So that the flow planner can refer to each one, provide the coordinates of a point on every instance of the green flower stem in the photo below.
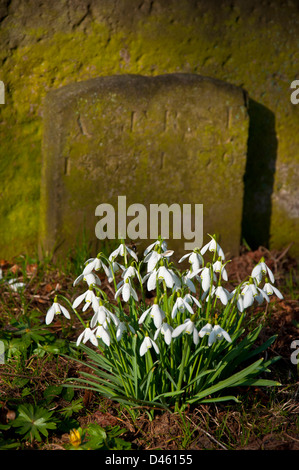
(122, 361)
(186, 352)
(114, 282)
(74, 310)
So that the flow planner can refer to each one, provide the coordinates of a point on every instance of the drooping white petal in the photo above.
(150, 247)
(187, 255)
(205, 248)
(65, 312)
(187, 281)
(166, 330)
(114, 253)
(277, 292)
(212, 337)
(206, 279)
(151, 282)
(78, 300)
(255, 273)
(78, 279)
(126, 291)
(132, 253)
(164, 273)
(89, 267)
(50, 315)
(158, 315)
(180, 329)
(221, 294)
(118, 292)
(145, 345)
(134, 293)
(248, 298)
(195, 336)
(144, 315)
(155, 346)
(190, 298)
(152, 259)
(103, 334)
(79, 339)
(120, 329)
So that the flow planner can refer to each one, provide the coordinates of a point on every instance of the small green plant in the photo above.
(32, 421)
(189, 345)
(94, 437)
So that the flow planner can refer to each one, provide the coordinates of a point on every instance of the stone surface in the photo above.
(172, 139)
(249, 43)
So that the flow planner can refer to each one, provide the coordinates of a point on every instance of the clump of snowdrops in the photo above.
(184, 343)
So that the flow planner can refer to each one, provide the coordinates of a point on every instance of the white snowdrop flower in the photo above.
(91, 279)
(154, 257)
(187, 282)
(88, 297)
(115, 267)
(219, 268)
(262, 269)
(127, 291)
(156, 313)
(205, 275)
(15, 285)
(131, 272)
(161, 243)
(215, 333)
(181, 304)
(166, 331)
(161, 274)
(191, 299)
(56, 309)
(151, 279)
(251, 292)
(205, 330)
(167, 275)
(95, 264)
(213, 246)
(86, 335)
(222, 294)
(121, 251)
(206, 278)
(151, 260)
(176, 280)
(187, 327)
(102, 333)
(194, 258)
(238, 299)
(248, 294)
(269, 290)
(102, 315)
(146, 344)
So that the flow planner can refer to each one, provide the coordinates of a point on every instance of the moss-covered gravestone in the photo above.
(176, 139)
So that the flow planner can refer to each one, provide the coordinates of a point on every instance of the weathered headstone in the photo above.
(172, 139)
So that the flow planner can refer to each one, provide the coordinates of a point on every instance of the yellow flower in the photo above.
(75, 437)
